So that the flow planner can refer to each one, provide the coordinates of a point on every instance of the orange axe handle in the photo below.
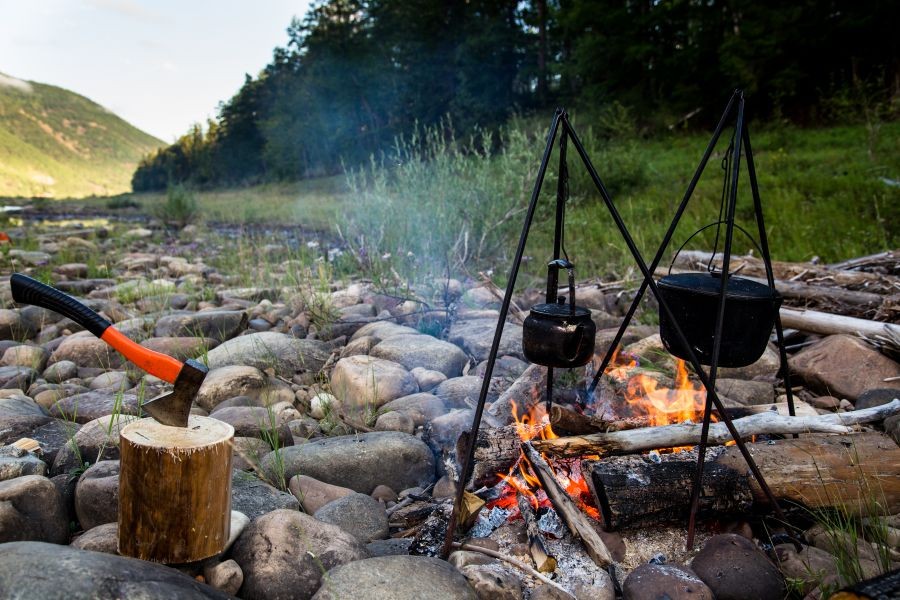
(26, 290)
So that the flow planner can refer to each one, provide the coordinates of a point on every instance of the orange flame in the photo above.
(665, 406)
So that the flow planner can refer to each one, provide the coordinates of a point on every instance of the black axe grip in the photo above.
(26, 290)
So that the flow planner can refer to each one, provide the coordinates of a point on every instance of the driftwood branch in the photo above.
(688, 434)
(580, 526)
(827, 324)
(514, 562)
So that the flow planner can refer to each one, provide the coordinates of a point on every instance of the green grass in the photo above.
(56, 143)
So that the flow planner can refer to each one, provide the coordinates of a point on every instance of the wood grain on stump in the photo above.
(175, 490)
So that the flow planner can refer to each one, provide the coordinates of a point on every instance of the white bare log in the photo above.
(688, 434)
(827, 324)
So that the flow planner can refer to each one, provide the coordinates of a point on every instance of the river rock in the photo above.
(254, 497)
(111, 381)
(181, 348)
(395, 421)
(225, 576)
(228, 382)
(748, 393)
(845, 367)
(254, 421)
(11, 326)
(366, 383)
(389, 547)
(285, 553)
(735, 569)
(652, 582)
(504, 366)
(88, 406)
(423, 351)
(421, 407)
(382, 330)
(17, 378)
(395, 578)
(31, 509)
(97, 494)
(875, 397)
(60, 371)
(96, 440)
(475, 336)
(463, 392)
(360, 462)
(86, 350)
(765, 367)
(67, 573)
(427, 379)
(33, 357)
(102, 538)
(493, 583)
(219, 325)
(358, 514)
(271, 350)
(15, 462)
(19, 406)
(806, 568)
(314, 494)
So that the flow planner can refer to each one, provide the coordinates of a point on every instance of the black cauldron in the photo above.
(750, 311)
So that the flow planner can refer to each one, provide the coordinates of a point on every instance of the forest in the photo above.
(356, 76)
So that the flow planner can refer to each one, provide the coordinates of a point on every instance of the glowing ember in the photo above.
(521, 478)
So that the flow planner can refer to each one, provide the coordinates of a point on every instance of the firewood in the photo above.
(544, 562)
(175, 490)
(579, 524)
(566, 421)
(516, 563)
(496, 450)
(817, 274)
(826, 324)
(844, 472)
(668, 436)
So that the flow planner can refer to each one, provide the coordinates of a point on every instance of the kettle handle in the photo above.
(575, 347)
(562, 263)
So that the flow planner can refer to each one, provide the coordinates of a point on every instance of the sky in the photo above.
(161, 65)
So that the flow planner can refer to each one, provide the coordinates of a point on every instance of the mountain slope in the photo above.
(56, 143)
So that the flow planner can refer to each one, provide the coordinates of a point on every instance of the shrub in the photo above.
(180, 207)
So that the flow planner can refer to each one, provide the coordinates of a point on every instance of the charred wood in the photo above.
(543, 562)
(579, 524)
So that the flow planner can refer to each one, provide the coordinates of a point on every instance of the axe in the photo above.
(172, 408)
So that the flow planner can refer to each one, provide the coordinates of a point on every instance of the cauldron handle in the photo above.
(713, 224)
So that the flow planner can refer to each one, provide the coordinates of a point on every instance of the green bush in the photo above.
(180, 207)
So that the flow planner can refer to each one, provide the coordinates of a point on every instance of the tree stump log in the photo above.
(175, 490)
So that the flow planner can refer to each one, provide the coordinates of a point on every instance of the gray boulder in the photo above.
(181, 348)
(359, 462)
(31, 509)
(254, 497)
(382, 330)
(358, 514)
(284, 555)
(86, 350)
(366, 383)
(664, 581)
(60, 371)
(15, 462)
(396, 578)
(17, 377)
(844, 366)
(67, 573)
(475, 336)
(97, 494)
(33, 357)
(19, 406)
(268, 349)
(421, 407)
(423, 351)
(219, 325)
(228, 382)
(88, 406)
(735, 569)
(102, 538)
(96, 440)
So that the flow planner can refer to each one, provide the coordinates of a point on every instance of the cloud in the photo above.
(127, 8)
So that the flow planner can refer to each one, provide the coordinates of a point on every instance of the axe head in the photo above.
(174, 408)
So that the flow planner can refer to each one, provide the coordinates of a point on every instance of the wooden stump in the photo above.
(175, 490)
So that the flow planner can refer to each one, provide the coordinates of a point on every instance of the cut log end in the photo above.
(175, 490)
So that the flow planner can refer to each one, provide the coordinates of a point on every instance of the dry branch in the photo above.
(827, 324)
(688, 434)
(580, 526)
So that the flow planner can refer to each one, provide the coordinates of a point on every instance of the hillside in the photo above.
(55, 143)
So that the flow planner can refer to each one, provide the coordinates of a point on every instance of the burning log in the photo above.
(496, 450)
(544, 562)
(566, 421)
(575, 520)
(688, 434)
(816, 472)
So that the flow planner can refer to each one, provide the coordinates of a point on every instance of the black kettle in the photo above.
(559, 333)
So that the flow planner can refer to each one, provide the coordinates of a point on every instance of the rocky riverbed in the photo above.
(346, 402)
